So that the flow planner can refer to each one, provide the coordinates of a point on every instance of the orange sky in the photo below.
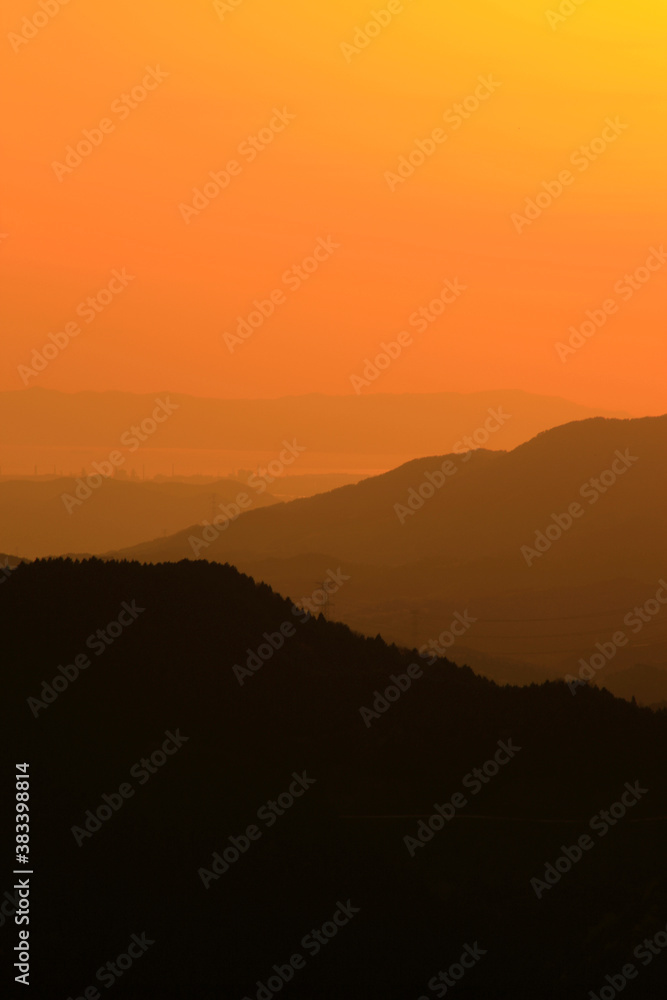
(330, 173)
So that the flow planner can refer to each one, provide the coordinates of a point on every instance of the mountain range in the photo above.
(550, 547)
(47, 428)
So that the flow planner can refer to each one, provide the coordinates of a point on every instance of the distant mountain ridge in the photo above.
(493, 501)
(376, 424)
(496, 536)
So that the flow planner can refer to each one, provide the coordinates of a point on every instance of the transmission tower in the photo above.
(328, 604)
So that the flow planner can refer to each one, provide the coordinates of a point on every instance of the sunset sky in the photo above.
(223, 72)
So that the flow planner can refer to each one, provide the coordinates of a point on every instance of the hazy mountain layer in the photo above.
(553, 548)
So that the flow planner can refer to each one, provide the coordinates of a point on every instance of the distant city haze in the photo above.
(45, 432)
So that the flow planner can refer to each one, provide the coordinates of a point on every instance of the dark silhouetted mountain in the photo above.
(168, 668)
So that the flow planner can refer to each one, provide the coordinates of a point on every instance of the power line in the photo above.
(504, 819)
(560, 618)
(548, 652)
(546, 635)
(327, 605)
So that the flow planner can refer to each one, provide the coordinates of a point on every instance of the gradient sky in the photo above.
(325, 175)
